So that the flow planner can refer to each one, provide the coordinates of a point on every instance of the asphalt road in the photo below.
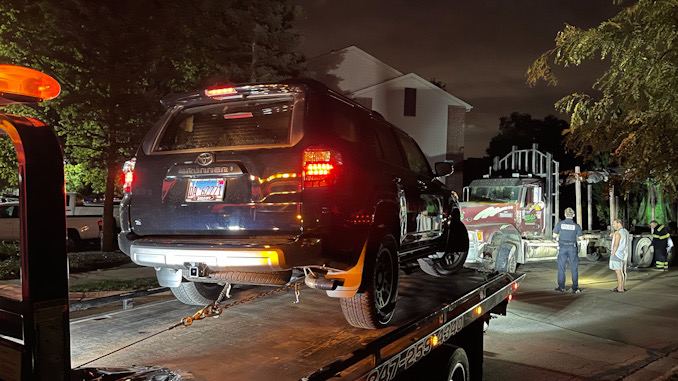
(598, 334)
(547, 335)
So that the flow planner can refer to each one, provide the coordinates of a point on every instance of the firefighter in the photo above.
(567, 232)
(660, 239)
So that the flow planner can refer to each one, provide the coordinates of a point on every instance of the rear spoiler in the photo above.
(244, 90)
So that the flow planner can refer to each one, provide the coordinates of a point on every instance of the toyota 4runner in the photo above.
(243, 184)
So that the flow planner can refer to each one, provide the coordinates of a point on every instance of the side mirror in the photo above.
(443, 168)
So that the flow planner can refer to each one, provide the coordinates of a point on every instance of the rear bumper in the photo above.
(275, 254)
(217, 259)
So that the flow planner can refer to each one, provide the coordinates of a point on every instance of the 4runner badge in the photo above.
(204, 159)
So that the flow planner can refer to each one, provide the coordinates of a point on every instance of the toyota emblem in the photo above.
(204, 159)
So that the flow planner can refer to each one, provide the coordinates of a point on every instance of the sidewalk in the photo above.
(12, 288)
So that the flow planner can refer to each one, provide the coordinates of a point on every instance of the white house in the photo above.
(431, 115)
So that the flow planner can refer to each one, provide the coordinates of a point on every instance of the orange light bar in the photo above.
(220, 91)
(435, 340)
(478, 310)
(27, 82)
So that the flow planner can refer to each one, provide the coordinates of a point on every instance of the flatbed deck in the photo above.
(274, 338)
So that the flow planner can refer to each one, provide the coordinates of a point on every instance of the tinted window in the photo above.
(388, 143)
(259, 122)
(415, 158)
(369, 140)
(344, 125)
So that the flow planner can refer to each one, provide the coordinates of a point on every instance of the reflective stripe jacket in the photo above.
(660, 237)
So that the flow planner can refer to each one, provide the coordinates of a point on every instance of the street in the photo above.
(597, 334)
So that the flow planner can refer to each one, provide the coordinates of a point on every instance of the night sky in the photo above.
(479, 49)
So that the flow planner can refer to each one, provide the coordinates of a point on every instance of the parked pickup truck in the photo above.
(80, 226)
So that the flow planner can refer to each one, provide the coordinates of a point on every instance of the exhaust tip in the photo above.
(320, 283)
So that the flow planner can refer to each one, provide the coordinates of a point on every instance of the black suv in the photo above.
(243, 184)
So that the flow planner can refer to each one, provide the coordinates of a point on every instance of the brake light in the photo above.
(128, 175)
(321, 166)
(220, 91)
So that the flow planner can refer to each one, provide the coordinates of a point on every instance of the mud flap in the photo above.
(351, 278)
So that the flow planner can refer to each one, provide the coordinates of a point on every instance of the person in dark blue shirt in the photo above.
(568, 233)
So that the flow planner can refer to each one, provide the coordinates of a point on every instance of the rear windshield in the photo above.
(259, 122)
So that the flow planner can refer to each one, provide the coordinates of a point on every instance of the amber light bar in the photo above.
(220, 91)
(27, 82)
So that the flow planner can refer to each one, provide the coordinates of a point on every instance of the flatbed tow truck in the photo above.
(437, 335)
(437, 332)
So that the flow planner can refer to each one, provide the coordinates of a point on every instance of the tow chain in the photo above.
(213, 310)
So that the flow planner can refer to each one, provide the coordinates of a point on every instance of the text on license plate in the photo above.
(205, 190)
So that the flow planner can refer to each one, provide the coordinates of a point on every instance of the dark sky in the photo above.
(479, 49)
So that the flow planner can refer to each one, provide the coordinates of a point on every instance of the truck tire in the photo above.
(268, 278)
(374, 304)
(73, 240)
(458, 366)
(643, 253)
(197, 293)
(671, 255)
(456, 248)
(506, 258)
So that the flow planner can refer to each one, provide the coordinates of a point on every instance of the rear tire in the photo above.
(374, 306)
(268, 278)
(457, 246)
(593, 256)
(458, 366)
(73, 240)
(197, 293)
(643, 252)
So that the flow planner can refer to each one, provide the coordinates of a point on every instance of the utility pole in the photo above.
(578, 194)
(589, 196)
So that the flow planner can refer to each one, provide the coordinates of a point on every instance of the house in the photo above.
(431, 115)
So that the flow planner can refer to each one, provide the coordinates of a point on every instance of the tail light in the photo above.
(321, 166)
(128, 175)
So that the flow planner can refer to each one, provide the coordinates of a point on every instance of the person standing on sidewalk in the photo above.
(618, 258)
(660, 238)
(568, 232)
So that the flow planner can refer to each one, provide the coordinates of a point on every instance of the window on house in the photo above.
(410, 102)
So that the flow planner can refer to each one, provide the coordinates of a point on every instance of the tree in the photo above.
(116, 59)
(633, 111)
(522, 130)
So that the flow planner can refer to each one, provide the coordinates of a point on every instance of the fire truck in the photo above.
(511, 211)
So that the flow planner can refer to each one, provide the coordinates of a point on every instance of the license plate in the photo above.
(205, 190)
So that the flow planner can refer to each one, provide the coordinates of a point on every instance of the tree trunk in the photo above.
(109, 228)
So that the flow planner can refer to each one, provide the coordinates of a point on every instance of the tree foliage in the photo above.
(116, 59)
(633, 111)
(522, 130)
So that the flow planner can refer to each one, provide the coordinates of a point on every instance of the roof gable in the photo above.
(399, 81)
(350, 69)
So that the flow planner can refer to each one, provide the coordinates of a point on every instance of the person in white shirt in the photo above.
(618, 257)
